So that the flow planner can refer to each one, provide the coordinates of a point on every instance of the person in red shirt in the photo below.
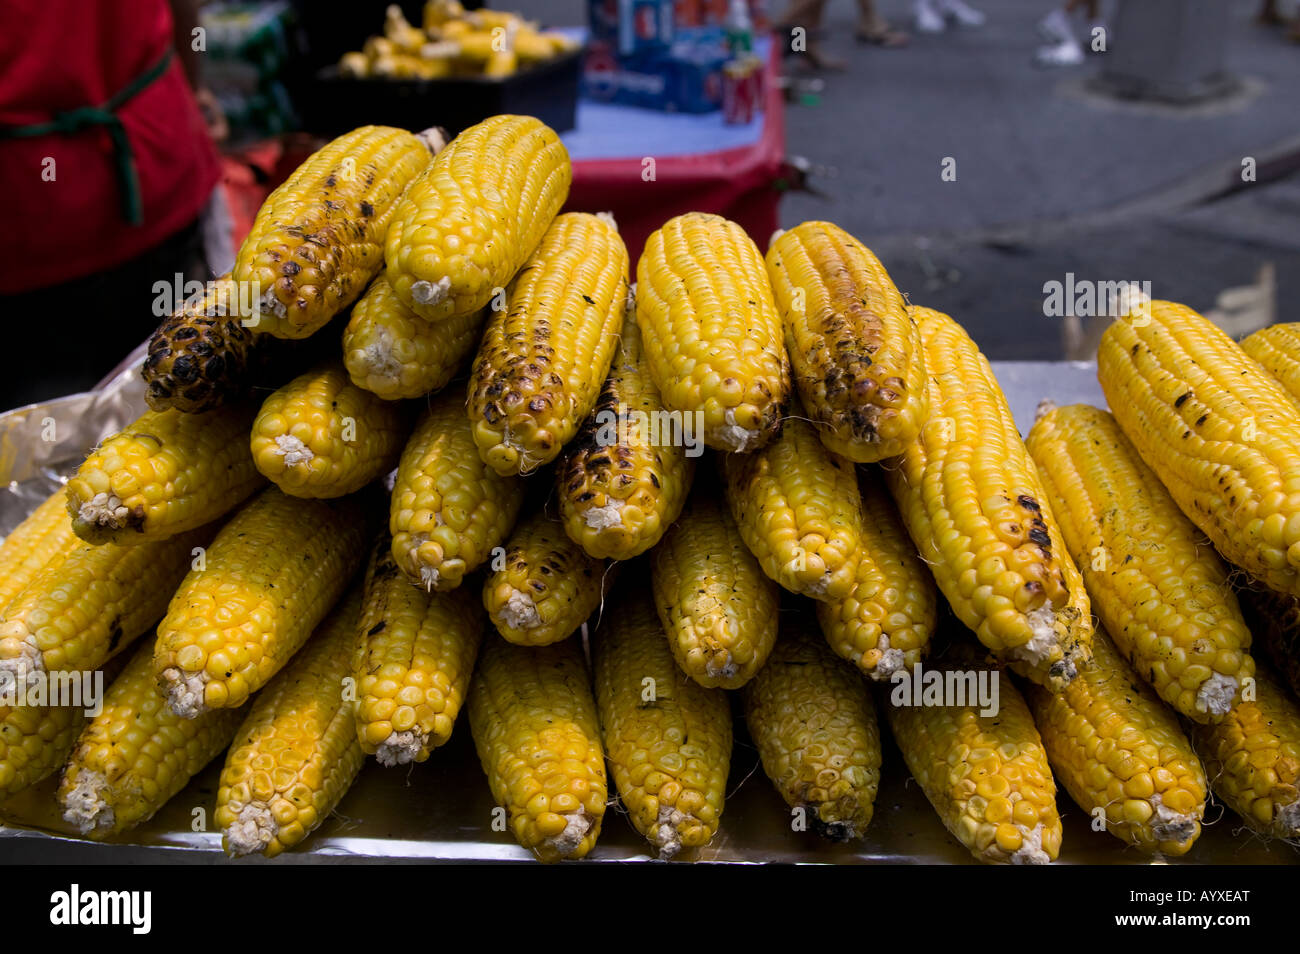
(107, 162)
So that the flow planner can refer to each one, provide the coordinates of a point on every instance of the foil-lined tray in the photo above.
(442, 810)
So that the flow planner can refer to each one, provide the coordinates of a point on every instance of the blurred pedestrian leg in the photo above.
(932, 14)
(1064, 47)
(805, 16)
(874, 29)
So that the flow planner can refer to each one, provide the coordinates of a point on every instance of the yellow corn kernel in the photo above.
(1277, 348)
(43, 539)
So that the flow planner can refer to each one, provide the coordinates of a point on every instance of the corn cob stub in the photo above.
(1221, 434)
(322, 436)
(472, 219)
(268, 578)
(296, 754)
(974, 506)
(542, 360)
(713, 339)
(319, 237)
(856, 353)
(165, 473)
(1116, 749)
(1155, 582)
(1277, 348)
(415, 651)
(535, 727)
(43, 539)
(814, 724)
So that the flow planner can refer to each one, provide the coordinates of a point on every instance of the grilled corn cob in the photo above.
(1253, 759)
(975, 508)
(1277, 348)
(1156, 585)
(1220, 433)
(270, 576)
(814, 724)
(986, 775)
(448, 509)
(322, 436)
(34, 743)
(545, 587)
(717, 607)
(1118, 750)
(798, 509)
(391, 352)
(319, 237)
(44, 538)
(415, 651)
(536, 731)
(469, 223)
(855, 352)
(623, 480)
(542, 360)
(1274, 619)
(296, 754)
(165, 473)
(667, 738)
(885, 623)
(712, 335)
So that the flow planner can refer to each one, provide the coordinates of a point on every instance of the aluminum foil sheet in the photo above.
(442, 810)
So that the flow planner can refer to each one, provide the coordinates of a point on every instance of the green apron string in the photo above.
(74, 121)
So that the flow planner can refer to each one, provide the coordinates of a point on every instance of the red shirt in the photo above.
(57, 55)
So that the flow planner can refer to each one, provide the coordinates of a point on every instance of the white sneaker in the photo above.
(1066, 53)
(1055, 27)
(928, 19)
(963, 13)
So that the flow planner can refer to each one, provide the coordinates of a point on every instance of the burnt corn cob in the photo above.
(716, 605)
(269, 577)
(318, 239)
(814, 724)
(472, 219)
(1221, 434)
(296, 753)
(322, 436)
(1277, 348)
(885, 623)
(624, 479)
(43, 539)
(1117, 750)
(543, 358)
(1156, 584)
(165, 473)
(535, 727)
(974, 506)
(855, 352)
(798, 509)
(448, 509)
(393, 353)
(414, 654)
(1274, 620)
(668, 739)
(713, 339)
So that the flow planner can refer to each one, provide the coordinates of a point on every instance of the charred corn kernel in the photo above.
(542, 360)
(1155, 583)
(885, 623)
(78, 612)
(269, 577)
(535, 727)
(668, 739)
(623, 480)
(296, 754)
(712, 335)
(975, 508)
(319, 237)
(1277, 348)
(394, 354)
(414, 654)
(165, 473)
(448, 508)
(985, 774)
(1253, 758)
(798, 509)
(717, 607)
(814, 724)
(855, 352)
(322, 436)
(34, 743)
(1118, 750)
(44, 538)
(1219, 432)
(469, 223)
(545, 588)
(136, 754)
(1274, 619)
